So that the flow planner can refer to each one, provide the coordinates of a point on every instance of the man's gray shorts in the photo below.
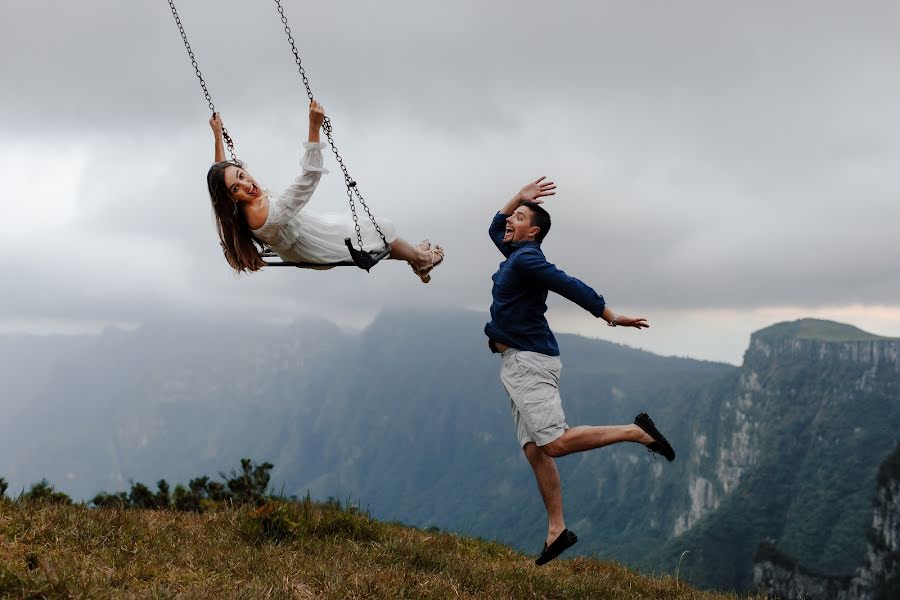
(531, 380)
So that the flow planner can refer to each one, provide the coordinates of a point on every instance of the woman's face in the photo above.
(241, 185)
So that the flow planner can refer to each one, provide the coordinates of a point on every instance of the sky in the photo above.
(721, 166)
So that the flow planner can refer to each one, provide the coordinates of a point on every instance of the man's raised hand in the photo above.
(537, 189)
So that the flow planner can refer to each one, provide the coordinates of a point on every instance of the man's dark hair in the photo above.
(539, 218)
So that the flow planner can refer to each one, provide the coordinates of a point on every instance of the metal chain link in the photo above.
(212, 107)
(352, 189)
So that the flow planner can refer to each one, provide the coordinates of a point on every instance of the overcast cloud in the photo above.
(721, 165)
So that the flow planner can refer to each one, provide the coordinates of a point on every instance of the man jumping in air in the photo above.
(530, 364)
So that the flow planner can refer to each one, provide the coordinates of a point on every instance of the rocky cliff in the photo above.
(783, 577)
(790, 454)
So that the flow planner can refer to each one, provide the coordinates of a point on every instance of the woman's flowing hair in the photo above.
(241, 249)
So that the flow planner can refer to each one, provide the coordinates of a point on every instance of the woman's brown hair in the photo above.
(241, 249)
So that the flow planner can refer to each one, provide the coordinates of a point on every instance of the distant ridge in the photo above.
(820, 330)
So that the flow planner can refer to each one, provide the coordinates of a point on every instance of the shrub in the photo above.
(249, 486)
(42, 491)
(104, 500)
(186, 500)
(347, 524)
(273, 522)
(280, 521)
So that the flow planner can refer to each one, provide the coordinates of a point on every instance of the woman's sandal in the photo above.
(437, 257)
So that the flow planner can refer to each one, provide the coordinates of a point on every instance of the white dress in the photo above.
(298, 235)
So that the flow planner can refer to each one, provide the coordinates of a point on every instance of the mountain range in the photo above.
(409, 419)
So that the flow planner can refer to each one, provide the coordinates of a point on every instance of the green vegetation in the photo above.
(879, 577)
(43, 492)
(818, 329)
(247, 486)
(282, 550)
(210, 540)
(888, 472)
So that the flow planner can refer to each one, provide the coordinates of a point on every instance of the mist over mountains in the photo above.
(408, 417)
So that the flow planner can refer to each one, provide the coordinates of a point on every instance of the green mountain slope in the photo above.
(817, 329)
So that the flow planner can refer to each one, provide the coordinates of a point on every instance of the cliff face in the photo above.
(878, 579)
(783, 578)
(789, 454)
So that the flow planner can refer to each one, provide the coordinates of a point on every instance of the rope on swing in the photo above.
(359, 258)
(212, 107)
(363, 260)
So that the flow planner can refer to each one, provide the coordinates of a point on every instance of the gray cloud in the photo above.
(709, 155)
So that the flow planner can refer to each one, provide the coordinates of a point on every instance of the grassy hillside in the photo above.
(293, 550)
(818, 329)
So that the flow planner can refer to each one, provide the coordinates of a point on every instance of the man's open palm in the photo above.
(537, 189)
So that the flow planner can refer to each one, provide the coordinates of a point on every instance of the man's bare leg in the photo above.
(549, 484)
(588, 437)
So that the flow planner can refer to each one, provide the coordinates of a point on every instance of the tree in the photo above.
(250, 485)
(199, 486)
(104, 500)
(162, 495)
(42, 491)
(187, 500)
(247, 486)
(140, 496)
(216, 491)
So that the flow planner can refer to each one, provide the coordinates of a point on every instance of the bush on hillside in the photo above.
(42, 491)
(247, 486)
(104, 500)
(3, 487)
(280, 521)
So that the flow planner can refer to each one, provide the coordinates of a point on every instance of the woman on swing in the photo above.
(246, 213)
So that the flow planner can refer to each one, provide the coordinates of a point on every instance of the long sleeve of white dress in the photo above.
(300, 235)
(283, 222)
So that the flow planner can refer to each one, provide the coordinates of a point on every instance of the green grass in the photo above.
(818, 329)
(298, 550)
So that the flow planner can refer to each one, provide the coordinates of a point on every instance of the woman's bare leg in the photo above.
(403, 250)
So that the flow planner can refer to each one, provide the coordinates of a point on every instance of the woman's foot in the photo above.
(430, 257)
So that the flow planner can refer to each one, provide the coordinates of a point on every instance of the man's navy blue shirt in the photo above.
(520, 295)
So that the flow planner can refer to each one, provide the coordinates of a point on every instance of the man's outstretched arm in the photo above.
(573, 289)
(615, 319)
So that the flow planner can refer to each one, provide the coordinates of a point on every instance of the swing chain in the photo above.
(187, 46)
(352, 189)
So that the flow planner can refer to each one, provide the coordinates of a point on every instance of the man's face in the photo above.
(519, 227)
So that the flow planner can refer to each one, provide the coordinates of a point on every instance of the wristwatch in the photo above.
(614, 321)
